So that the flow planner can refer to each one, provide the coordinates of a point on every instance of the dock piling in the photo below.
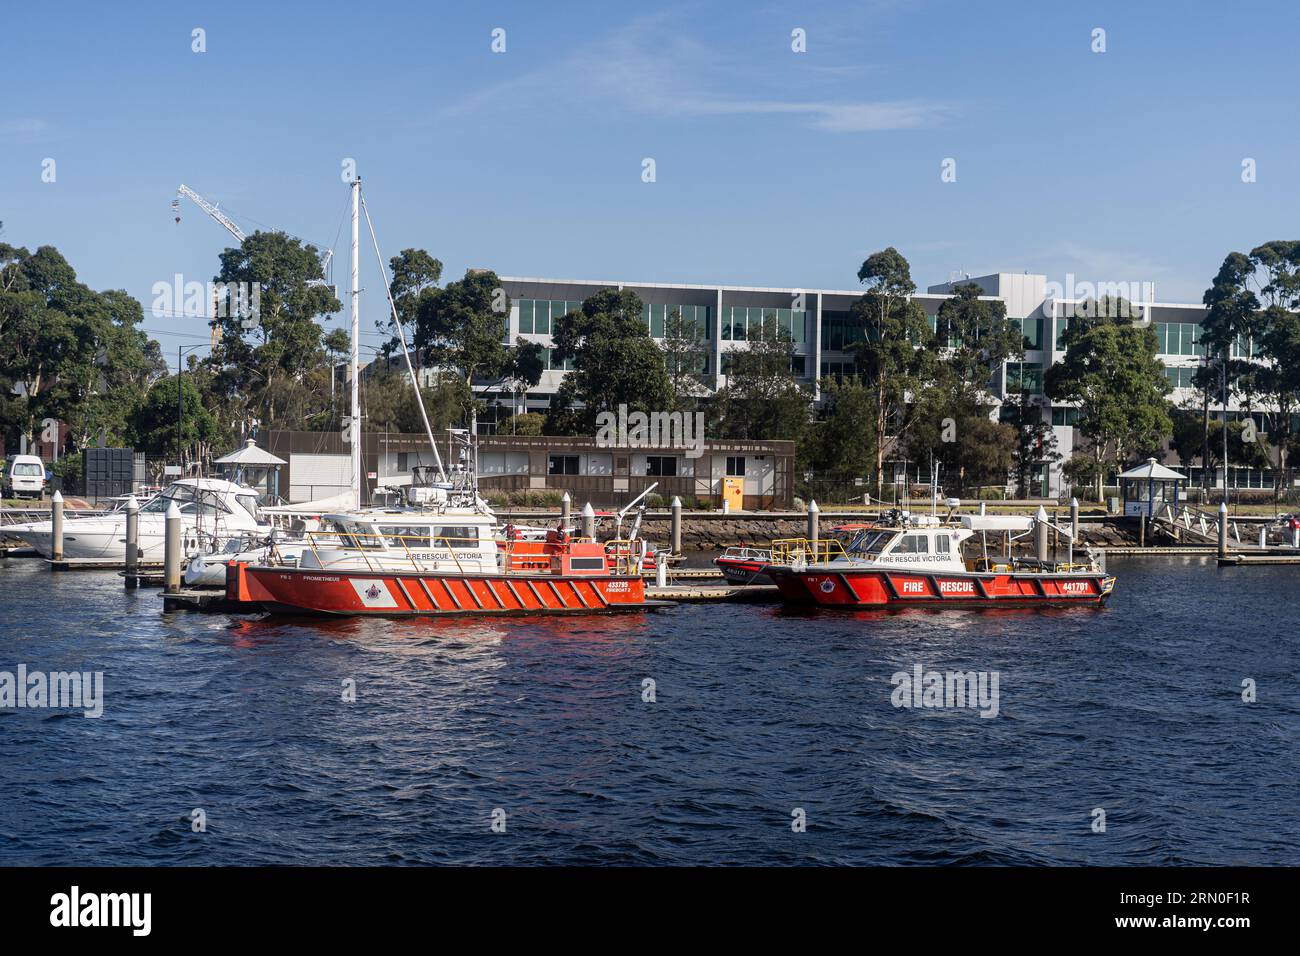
(132, 543)
(1040, 534)
(588, 521)
(56, 526)
(172, 550)
(1223, 529)
(676, 525)
(566, 507)
(814, 525)
(1074, 518)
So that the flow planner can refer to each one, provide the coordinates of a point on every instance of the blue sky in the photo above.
(772, 167)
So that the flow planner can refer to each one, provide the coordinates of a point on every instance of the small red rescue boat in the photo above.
(920, 562)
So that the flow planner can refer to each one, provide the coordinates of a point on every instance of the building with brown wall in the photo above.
(319, 466)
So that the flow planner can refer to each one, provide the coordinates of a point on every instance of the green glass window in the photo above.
(686, 324)
(1033, 333)
(784, 323)
(1062, 324)
(799, 326)
(657, 314)
(1024, 377)
(525, 315)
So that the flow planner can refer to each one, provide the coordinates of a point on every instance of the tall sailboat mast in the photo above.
(355, 363)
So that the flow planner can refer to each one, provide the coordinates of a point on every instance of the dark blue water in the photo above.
(1135, 709)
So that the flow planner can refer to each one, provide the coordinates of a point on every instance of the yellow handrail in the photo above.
(789, 550)
(627, 560)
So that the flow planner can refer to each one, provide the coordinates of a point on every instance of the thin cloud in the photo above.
(652, 69)
(22, 131)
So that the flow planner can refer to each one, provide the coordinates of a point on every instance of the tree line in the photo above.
(922, 389)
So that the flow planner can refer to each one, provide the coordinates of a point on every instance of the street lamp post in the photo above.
(180, 413)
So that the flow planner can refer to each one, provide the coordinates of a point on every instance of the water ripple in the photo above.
(761, 716)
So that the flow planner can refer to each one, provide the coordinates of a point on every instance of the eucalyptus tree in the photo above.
(895, 356)
(1278, 377)
(66, 351)
(415, 277)
(269, 359)
(1232, 317)
(1111, 371)
(615, 361)
(762, 399)
(954, 410)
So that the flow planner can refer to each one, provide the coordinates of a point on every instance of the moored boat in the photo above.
(922, 562)
(437, 563)
(745, 565)
(212, 512)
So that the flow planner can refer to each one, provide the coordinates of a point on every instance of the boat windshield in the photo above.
(358, 536)
(190, 500)
(870, 542)
(248, 503)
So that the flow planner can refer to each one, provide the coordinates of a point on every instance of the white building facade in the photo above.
(823, 333)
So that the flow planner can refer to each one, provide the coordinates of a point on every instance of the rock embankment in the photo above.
(715, 533)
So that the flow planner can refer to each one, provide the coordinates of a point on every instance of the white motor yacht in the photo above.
(212, 512)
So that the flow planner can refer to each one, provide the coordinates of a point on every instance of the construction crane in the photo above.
(212, 209)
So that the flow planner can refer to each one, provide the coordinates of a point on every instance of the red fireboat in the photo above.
(909, 561)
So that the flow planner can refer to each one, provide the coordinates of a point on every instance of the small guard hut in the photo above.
(1148, 487)
(254, 467)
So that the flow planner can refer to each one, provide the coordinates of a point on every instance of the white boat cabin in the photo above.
(930, 546)
(937, 549)
(453, 539)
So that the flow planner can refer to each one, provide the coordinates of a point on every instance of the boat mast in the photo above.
(406, 353)
(355, 420)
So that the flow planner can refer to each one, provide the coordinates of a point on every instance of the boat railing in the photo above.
(628, 554)
(816, 551)
(357, 541)
(747, 553)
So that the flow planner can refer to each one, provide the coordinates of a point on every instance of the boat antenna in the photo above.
(354, 360)
(401, 337)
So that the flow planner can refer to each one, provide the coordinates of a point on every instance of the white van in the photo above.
(24, 476)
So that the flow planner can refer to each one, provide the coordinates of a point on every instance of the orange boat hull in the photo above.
(872, 588)
(406, 593)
